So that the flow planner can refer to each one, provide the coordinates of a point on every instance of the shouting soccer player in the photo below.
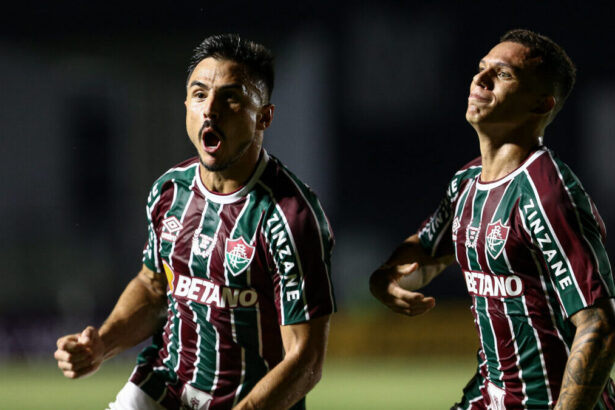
(529, 241)
(235, 286)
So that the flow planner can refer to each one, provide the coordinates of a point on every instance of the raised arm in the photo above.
(591, 357)
(305, 345)
(409, 267)
(138, 313)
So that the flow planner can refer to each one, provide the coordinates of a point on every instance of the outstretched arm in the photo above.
(137, 315)
(305, 345)
(591, 357)
(409, 267)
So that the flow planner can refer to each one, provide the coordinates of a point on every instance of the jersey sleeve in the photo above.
(158, 201)
(300, 243)
(435, 232)
(568, 235)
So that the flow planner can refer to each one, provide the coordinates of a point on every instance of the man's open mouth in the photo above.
(211, 141)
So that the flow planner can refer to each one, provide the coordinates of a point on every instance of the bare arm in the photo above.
(591, 357)
(409, 267)
(305, 345)
(137, 314)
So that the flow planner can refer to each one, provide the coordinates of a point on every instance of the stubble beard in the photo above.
(228, 163)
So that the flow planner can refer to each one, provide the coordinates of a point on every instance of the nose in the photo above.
(210, 110)
(484, 78)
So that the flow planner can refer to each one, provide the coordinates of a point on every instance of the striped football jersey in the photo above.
(531, 249)
(238, 266)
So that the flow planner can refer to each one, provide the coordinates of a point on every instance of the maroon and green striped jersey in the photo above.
(238, 267)
(531, 248)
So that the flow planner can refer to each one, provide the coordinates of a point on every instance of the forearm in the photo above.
(137, 314)
(305, 345)
(591, 359)
(284, 385)
(410, 251)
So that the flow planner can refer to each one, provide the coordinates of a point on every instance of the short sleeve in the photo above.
(569, 235)
(151, 255)
(300, 243)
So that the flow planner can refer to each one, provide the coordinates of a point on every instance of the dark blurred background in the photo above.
(370, 110)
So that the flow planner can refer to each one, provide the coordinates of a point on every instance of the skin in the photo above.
(222, 99)
(591, 357)
(219, 93)
(509, 109)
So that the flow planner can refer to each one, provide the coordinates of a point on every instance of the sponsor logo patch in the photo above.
(238, 255)
(496, 236)
(170, 227)
(202, 245)
(496, 286)
(472, 237)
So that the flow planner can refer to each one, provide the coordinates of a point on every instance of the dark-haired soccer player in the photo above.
(235, 286)
(529, 241)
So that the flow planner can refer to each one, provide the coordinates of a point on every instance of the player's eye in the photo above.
(504, 74)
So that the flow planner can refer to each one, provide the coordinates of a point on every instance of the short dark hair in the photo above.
(555, 67)
(255, 58)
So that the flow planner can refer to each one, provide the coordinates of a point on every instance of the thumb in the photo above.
(407, 268)
(87, 335)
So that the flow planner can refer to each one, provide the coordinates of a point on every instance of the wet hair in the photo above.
(256, 59)
(555, 68)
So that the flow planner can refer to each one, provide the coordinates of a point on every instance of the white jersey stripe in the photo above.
(320, 231)
(576, 212)
(556, 239)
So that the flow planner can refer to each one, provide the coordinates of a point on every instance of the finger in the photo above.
(72, 356)
(74, 348)
(66, 339)
(75, 365)
(407, 268)
(407, 296)
(87, 335)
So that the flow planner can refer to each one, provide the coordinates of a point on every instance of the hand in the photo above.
(385, 286)
(80, 354)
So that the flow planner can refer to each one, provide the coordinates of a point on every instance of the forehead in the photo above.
(514, 54)
(212, 71)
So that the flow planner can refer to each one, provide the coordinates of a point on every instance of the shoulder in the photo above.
(182, 173)
(466, 173)
(285, 188)
(549, 179)
(292, 199)
(553, 185)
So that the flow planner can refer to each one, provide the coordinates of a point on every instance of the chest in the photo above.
(209, 240)
(487, 232)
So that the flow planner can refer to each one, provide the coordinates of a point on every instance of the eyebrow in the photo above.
(500, 64)
(224, 87)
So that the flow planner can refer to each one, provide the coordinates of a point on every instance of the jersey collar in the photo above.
(241, 192)
(489, 185)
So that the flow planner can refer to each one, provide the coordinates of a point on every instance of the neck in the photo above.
(235, 175)
(502, 153)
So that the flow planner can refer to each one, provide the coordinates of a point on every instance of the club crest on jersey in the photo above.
(496, 236)
(202, 244)
(472, 237)
(238, 255)
(170, 227)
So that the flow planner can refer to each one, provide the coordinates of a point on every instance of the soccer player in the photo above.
(529, 241)
(235, 286)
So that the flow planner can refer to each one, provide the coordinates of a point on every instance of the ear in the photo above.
(545, 105)
(265, 117)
